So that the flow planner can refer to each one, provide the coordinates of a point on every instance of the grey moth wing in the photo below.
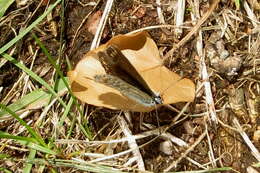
(116, 64)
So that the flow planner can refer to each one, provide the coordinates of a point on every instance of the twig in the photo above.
(253, 149)
(174, 164)
(208, 93)
(193, 31)
(195, 163)
(157, 26)
(211, 153)
(82, 23)
(132, 143)
(101, 25)
(163, 135)
(110, 156)
(227, 126)
(159, 12)
(142, 135)
(250, 14)
(26, 78)
(179, 17)
(161, 17)
(209, 100)
(204, 74)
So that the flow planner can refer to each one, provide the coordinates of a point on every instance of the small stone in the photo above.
(256, 136)
(166, 147)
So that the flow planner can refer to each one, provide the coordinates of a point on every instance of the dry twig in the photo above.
(82, 23)
(132, 143)
(193, 31)
(175, 163)
(253, 149)
(101, 25)
(159, 12)
(179, 17)
(250, 14)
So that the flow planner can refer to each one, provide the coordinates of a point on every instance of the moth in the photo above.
(122, 76)
(131, 80)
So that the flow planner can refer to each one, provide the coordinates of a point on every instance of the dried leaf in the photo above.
(143, 54)
(93, 21)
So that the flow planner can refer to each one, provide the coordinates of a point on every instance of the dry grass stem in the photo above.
(175, 163)
(194, 29)
(179, 17)
(195, 163)
(204, 75)
(101, 25)
(246, 139)
(132, 143)
(157, 26)
(208, 93)
(82, 23)
(250, 14)
(26, 78)
(159, 12)
(211, 153)
(45, 111)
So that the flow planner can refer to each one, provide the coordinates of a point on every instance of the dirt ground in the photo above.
(230, 44)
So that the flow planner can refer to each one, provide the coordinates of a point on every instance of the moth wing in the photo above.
(87, 90)
(171, 87)
(143, 54)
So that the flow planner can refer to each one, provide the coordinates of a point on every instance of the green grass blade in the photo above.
(66, 112)
(238, 4)
(51, 60)
(22, 122)
(27, 100)
(257, 164)
(39, 148)
(61, 84)
(34, 76)
(4, 156)
(83, 166)
(20, 138)
(27, 141)
(28, 166)
(29, 28)
(4, 170)
(208, 170)
(4, 4)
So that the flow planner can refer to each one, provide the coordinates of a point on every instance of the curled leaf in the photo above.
(143, 54)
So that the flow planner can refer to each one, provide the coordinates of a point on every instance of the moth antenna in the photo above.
(171, 85)
(157, 117)
(151, 68)
(89, 78)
